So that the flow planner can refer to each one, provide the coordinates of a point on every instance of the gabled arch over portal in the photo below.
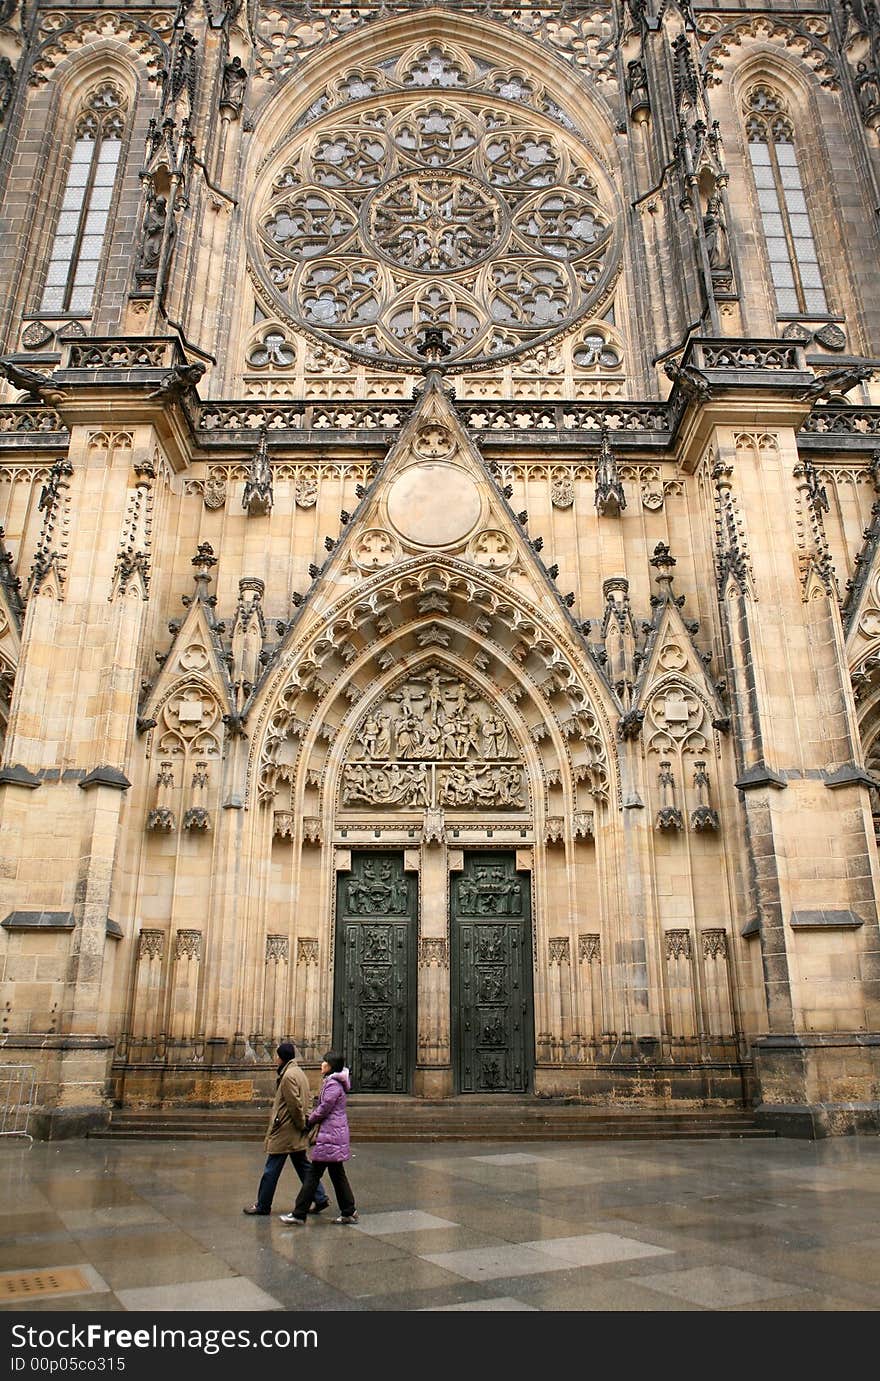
(436, 611)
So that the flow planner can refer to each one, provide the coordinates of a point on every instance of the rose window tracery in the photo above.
(433, 225)
(433, 210)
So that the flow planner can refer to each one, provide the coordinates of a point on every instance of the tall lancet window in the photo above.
(82, 222)
(791, 249)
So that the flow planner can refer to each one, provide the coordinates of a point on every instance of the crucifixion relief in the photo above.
(433, 740)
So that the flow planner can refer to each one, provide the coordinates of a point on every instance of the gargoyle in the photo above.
(177, 381)
(38, 388)
(691, 381)
(838, 381)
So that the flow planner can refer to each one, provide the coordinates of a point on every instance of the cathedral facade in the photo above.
(440, 565)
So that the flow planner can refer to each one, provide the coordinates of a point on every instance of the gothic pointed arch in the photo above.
(490, 655)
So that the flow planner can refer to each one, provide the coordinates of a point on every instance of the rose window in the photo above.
(484, 222)
(434, 225)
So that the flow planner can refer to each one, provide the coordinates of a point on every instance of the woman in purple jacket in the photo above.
(332, 1147)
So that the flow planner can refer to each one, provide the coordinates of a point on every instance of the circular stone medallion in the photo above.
(434, 505)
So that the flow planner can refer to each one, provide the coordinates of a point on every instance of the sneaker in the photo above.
(347, 1218)
(319, 1208)
(253, 1211)
(292, 1221)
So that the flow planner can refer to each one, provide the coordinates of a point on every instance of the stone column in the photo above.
(146, 1004)
(590, 986)
(433, 1076)
(184, 986)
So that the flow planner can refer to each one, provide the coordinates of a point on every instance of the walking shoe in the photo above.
(319, 1208)
(347, 1218)
(291, 1221)
(256, 1212)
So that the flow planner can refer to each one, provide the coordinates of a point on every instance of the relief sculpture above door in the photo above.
(434, 740)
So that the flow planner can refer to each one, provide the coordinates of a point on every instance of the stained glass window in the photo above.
(788, 235)
(69, 285)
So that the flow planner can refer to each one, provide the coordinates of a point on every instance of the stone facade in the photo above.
(440, 567)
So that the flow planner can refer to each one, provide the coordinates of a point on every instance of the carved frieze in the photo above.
(554, 829)
(374, 887)
(488, 889)
(582, 825)
(678, 944)
(559, 950)
(312, 829)
(714, 944)
(589, 949)
(433, 741)
(306, 951)
(434, 825)
(433, 953)
(283, 824)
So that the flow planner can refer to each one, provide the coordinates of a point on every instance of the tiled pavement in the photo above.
(768, 1225)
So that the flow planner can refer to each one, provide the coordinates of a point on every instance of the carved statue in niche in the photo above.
(234, 83)
(867, 87)
(7, 85)
(152, 236)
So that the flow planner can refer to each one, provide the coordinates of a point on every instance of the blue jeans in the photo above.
(272, 1173)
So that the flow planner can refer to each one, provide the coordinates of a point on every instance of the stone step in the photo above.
(409, 1119)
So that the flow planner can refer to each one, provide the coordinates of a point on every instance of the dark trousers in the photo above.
(274, 1165)
(312, 1184)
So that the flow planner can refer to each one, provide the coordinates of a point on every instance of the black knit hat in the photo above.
(286, 1050)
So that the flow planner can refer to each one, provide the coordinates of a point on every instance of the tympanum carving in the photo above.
(433, 740)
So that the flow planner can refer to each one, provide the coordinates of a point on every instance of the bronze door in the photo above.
(376, 985)
(491, 975)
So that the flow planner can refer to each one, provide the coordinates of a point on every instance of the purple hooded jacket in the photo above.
(333, 1140)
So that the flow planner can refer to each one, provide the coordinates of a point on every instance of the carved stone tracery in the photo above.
(439, 214)
(677, 719)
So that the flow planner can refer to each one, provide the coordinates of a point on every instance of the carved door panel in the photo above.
(491, 975)
(376, 984)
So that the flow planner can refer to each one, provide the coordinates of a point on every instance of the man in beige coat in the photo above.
(287, 1134)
